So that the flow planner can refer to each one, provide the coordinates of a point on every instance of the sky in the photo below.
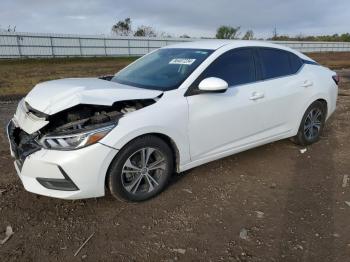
(177, 17)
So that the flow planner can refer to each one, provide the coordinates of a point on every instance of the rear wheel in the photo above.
(141, 169)
(312, 124)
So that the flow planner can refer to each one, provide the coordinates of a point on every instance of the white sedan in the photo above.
(174, 109)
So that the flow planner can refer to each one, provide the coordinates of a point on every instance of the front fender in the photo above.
(166, 117)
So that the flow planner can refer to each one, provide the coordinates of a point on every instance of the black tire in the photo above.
(120, 180)
(307, 136)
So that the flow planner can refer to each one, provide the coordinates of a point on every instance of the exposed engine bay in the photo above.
(86, 117)
(69, 128)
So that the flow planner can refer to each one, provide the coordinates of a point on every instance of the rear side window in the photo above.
(278, 63)
(236, 67)
(295, 63)
(275, 63)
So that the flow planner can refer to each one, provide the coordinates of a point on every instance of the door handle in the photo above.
(307, 83)
(256, 96)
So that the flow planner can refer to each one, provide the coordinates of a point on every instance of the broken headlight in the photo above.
(75, 141)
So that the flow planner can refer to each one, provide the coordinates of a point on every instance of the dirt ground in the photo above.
(272, 203)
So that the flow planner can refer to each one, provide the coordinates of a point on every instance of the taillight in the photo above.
(336, 79)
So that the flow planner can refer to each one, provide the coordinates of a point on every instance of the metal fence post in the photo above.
(148, 49)
(81, 52)
(52, 50)
(129, 47)
(105, 46)
(19, 46)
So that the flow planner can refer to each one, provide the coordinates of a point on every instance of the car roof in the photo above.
(217, 44)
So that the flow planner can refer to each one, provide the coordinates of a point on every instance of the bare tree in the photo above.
(165, 35)
(249, 35)
(227, 32)
(122, 27)
(9, 29)
(185, 36)
(146, 31)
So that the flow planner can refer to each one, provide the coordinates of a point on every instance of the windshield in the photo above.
(164, 69)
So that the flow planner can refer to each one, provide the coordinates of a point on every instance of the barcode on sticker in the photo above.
(182, 61)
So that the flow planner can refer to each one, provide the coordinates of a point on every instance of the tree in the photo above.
(146, 31)
(122, 27)
(227, 32)
(345, 37)
(165, 35)
(185, 36)
(249, 35)
(9, 29)
(326, 38)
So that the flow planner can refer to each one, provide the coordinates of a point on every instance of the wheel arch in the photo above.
(302, 111)
(324, 103)
(171, 143)
(167, 139)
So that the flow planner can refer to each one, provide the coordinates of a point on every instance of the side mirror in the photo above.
(213, 84)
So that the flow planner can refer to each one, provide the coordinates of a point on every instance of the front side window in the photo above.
(277, 63)
(236, 67)
(164, 69)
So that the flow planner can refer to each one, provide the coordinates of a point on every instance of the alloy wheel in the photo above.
(143, 171)
(313, 123)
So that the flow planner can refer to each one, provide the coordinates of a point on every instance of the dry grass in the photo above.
(17, 77)
(333, 60)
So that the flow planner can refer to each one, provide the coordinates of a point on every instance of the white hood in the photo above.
(57, 95)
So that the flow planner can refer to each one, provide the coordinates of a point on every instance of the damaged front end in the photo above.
(72, 128)
(21, 143)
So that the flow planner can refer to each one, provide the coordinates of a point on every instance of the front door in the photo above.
(220, 122)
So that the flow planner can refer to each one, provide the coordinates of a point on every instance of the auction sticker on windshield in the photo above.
(182, 61)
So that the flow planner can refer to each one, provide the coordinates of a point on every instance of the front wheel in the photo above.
(141, 169)
(312, 124)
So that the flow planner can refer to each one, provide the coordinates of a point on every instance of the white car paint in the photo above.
(213, 84)
(89, 178)
(26, 120)
(202, 127)
(54, 96)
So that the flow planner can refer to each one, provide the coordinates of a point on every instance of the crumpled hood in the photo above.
(57, 95)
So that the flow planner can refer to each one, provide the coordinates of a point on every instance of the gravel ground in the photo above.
(272, 203)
